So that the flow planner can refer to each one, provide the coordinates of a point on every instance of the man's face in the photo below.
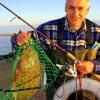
(76, 11)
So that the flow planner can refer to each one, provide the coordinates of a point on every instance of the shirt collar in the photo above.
(67, 27)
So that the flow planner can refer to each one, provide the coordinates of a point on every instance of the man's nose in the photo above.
(76, 11)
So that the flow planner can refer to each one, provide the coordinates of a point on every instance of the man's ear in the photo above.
(88, 10)
(65, 7)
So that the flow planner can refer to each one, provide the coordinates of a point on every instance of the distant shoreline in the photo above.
(14, 28)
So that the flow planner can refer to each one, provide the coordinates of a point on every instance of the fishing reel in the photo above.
(67, 69)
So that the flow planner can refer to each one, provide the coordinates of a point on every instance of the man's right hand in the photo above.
(23, 37)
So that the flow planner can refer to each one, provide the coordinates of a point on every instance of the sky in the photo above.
(36, 12)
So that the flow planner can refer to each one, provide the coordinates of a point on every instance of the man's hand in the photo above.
(85, 67)
(23, 37)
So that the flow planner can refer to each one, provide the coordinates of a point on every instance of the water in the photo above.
(5, 45)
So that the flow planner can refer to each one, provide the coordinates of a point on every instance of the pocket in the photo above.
(81, 54)
(87, 54)
(91, 54)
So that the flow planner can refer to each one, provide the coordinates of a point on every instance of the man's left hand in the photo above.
(85, 67)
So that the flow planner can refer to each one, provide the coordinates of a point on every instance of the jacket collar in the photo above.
(67, 27)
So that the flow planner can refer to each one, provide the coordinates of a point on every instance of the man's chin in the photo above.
(76, 24)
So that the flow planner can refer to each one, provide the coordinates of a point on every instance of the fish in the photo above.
(27, 75)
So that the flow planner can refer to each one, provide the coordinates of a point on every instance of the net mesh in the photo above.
(30, 71)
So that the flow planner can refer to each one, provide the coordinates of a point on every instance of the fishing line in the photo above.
(12, 19)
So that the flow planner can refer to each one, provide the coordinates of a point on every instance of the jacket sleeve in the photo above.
(97, 64)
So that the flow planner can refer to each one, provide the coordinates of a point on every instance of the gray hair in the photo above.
(88, 3)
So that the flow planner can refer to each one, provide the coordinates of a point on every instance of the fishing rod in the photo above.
(53, 43)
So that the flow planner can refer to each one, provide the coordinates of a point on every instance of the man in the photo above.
(73, 35)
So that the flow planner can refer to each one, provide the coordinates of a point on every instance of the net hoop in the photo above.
(65, 90)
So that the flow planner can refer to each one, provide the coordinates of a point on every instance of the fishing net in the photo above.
(29, 71)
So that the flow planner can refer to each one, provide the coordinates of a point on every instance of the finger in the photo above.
(21, 39)
(82, 70)
(28, 34)
(25, 34)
